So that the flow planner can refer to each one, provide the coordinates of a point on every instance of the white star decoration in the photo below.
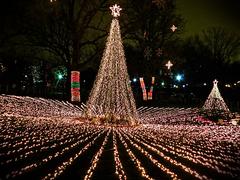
(215, 81)
(173, 28)
(115, 10)
(169, 64)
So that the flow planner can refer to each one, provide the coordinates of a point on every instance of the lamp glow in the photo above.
(179, 77)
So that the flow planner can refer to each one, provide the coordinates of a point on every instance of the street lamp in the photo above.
(60, 76)
(179, 77)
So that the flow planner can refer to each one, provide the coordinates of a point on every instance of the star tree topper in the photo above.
(215, 82)
(115, 10)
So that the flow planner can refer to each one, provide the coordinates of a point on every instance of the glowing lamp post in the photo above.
(60, 76)
(134, 79)
(179, 77)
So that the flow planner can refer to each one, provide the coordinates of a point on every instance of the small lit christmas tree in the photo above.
(215, 106)
(111, 99)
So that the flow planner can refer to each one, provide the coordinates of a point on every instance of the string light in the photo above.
(111, 99)
(118, 165)
(37, 132)
(215, 100)
(147, 95)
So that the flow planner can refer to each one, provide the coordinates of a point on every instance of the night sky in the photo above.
(200, 14)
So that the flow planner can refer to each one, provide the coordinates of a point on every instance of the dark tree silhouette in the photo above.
(209, 55)
(222, 45)
(70, 31)
(147, 29)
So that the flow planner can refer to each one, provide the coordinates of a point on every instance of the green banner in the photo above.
(75, 85)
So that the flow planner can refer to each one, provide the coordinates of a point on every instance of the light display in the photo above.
(179, 77)
(147, 95)
(169, 65)
(173, 28)
(150, 93)
(45, 139)
(75, 86)
(144, 91)
(60, 76)
(215, 101)
(111, 97)
(115, 10)
(38, 107)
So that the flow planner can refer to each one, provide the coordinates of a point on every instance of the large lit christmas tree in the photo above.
(111, 99)
(215, 105)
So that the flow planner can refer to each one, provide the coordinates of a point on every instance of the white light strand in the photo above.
(180, 136)
(215, 100)
(96, 158)
(111, 98)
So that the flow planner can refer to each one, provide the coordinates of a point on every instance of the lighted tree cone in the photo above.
(215, 100)
(111, 98)
(75, 86)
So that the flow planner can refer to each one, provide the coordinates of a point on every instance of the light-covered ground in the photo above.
(56, 143)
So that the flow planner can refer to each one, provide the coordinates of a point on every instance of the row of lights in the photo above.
(96, 158)
(196, 146)
(209, 146)
(150, 157)
(216, 163)
(156, 115)
(36, 107)
(178, 77)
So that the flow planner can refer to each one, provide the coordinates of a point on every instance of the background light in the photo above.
(179, 77)
(60, 76)
(134, 79)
